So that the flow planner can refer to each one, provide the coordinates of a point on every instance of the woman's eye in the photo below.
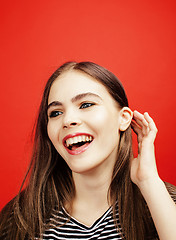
(55, 114)
(86, 105)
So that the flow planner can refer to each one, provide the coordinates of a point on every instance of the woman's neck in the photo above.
(91, 187)
(91, 195)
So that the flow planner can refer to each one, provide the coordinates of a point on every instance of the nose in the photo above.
(71, 120)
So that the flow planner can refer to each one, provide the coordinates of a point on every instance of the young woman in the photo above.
(84, 182)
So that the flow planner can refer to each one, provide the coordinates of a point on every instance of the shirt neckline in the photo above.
(82, 225)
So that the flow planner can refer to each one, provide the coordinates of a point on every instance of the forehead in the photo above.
(74, 82)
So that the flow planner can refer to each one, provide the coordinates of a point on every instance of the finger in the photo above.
(137, 129)
(139, 118)
(152, 127)
(150, 121)
(143, 125)
(141, 121)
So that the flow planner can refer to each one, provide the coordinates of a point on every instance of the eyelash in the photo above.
(55, 114)
(83, 105)
(86, 105)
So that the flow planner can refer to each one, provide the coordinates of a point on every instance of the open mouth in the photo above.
(78, 142)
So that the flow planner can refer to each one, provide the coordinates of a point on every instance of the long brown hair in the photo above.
(49, 179)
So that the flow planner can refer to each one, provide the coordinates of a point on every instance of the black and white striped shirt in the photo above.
(66, 227)
(70, 228)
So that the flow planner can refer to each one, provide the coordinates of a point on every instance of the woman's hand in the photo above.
(143, 168)
(144, 174)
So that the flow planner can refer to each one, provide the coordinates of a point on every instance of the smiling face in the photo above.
(83, 122)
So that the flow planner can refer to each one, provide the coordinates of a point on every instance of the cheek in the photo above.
(52, 132)
(49, 132)
(106, 126)
(105, 121)
(99, 117)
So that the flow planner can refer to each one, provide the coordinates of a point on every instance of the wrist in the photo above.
(150, 184)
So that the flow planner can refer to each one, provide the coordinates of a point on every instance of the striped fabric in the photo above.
(65, 227)
(70, 228)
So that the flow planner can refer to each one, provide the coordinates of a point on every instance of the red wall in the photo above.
(134, 39)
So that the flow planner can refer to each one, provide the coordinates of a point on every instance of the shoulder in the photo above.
(172, 190)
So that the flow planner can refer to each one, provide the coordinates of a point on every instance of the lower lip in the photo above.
(79, 150)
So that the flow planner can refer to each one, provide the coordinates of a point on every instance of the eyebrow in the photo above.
(74, 99)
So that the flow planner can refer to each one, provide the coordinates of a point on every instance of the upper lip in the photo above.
(74, 135)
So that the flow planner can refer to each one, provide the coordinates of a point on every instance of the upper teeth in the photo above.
(81, 138)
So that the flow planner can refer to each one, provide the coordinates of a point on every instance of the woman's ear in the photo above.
(126, 116)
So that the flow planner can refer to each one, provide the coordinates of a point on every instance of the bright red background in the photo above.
(134, 39)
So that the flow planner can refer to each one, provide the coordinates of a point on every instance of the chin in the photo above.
(80, 170)
(85, 169)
